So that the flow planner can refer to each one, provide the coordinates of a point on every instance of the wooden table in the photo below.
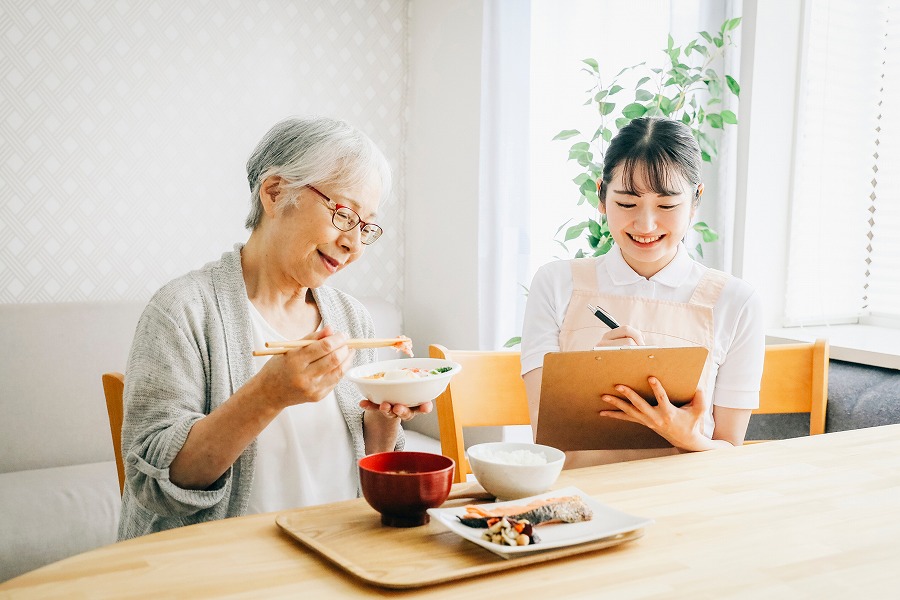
(810, 517)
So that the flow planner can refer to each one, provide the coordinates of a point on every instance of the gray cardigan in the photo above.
(191, 352)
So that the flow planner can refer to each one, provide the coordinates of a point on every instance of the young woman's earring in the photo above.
(699, 190)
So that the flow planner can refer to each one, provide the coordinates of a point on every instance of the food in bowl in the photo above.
(514, 457)
(402, 486)
(407, 373)
(406, 381)
(510, 470)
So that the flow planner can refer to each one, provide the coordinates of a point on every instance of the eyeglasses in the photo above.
(345, 219)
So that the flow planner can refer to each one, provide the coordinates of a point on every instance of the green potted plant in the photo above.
(687, 88)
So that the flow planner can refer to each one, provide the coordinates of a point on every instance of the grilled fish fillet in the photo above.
(568, 509)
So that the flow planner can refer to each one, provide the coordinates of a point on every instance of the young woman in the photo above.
(650, 190)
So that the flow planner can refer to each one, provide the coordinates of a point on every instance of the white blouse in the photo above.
(304, 456)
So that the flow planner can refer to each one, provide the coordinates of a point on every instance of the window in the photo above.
(844, 258)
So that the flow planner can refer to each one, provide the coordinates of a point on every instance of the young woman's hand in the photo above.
(622, 336)
(681, 426)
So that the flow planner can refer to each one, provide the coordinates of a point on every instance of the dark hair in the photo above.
(656, 148)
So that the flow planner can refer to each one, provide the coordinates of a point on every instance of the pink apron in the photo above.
(662, 322)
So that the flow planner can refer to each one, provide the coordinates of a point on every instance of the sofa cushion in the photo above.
(53, 413)
(858, 396)
(50, 514)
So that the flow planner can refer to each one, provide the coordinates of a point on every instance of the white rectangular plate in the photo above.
(607, 522)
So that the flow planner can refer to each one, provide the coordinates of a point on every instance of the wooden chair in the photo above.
(795, 380)
(489, 391)
(113, 387)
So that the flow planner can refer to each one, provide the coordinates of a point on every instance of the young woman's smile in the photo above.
(647, 226)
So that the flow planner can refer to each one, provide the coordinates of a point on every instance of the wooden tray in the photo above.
(350, 535)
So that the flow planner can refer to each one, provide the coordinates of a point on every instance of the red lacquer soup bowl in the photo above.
(403, 485)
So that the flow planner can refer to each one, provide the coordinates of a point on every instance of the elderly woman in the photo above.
(210, 431)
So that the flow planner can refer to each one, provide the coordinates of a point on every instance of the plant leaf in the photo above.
(513, 341)
(575, 230)
(592, 63)
(606, 107)
(643, 95)
(642, 81)
(634, 110)
(733, 85)
(729, 117)
(615, 89)
(604, 247)
(732, 23)
(566, 134)
(714, 120)
(706, 144)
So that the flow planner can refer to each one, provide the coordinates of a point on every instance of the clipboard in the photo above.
(572, 383)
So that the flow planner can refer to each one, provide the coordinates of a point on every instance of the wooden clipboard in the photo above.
(573, 383)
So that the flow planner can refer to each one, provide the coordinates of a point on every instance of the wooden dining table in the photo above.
(800, 518)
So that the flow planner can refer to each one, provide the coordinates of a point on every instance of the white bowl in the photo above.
(409, 392)
(511, 481)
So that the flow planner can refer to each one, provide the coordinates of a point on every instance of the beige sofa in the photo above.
(59, 491)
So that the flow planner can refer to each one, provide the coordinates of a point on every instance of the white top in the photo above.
(739, 327)
(304, 456)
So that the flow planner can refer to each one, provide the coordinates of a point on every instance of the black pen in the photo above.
(603, 316)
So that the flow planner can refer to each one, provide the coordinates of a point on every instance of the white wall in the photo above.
(125, 127)
(769, 77)
(442, 165)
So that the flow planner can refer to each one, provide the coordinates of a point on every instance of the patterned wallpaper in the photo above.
(125, 127)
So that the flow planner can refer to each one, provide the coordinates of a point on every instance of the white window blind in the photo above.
(883, 289)
(844, 263)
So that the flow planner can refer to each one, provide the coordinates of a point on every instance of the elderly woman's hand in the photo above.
(381, 423)
(310, 373)
(397, 411)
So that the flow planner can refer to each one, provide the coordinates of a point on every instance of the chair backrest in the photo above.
(113, 387)
(795, 380)
(489, 391)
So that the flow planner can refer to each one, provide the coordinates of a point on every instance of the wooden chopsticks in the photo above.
(282, 347)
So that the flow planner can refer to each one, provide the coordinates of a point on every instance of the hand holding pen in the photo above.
(618, 335)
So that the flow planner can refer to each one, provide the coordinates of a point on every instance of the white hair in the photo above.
(310, 152)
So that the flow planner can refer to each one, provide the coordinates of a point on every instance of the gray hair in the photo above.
(309, 152)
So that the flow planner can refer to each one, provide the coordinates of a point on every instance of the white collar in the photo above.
(672, 275)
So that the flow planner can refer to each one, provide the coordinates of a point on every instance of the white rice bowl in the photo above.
(511, 470)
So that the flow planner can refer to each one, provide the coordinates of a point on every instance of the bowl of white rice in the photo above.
(511, 470)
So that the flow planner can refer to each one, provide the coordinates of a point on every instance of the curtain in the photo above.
(844, 263)
(503, 207)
